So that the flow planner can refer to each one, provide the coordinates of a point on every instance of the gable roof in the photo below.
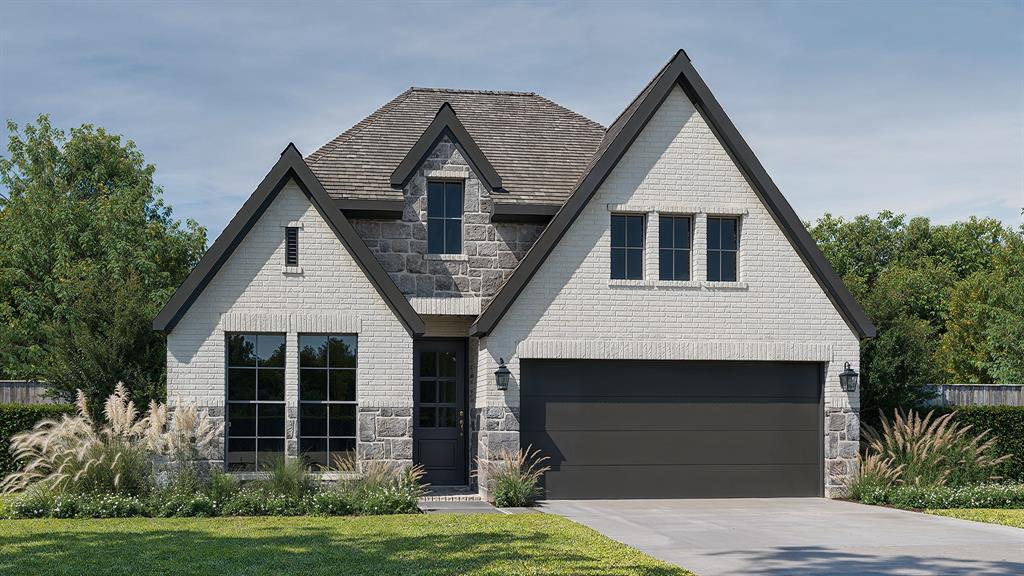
(538, 147)
(446, 122)
(621, 134)
(289, 167)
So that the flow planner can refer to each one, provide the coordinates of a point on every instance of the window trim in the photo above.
(444, 219)
(255, 402)
(692, 220)
(328, 402)
(642, 248)
(708, 250)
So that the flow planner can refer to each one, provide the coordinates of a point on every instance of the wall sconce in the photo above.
(502, 374)
(848, 379)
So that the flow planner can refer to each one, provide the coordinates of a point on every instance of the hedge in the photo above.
(1006, 424)
(15, 418)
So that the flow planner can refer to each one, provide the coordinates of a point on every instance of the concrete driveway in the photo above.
(800, 536)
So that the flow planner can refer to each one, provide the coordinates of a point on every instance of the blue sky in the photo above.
(852, 107)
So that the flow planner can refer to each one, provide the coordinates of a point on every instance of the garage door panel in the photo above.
(677, 447)
(664, 379)
(725, 481)
(674, 429)
(550, 415)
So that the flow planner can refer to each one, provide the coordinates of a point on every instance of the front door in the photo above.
(440, 413)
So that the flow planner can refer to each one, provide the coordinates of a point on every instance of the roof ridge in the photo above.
(471, 91)
(358, 127)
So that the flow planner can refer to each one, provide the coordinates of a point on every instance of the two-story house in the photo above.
(466, 271)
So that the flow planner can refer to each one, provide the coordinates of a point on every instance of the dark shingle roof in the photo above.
(539, 148)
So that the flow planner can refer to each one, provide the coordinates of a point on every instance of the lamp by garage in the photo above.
(848, 378)
(501, 375)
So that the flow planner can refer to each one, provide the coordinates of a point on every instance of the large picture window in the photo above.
(627, 247)
(723, 244)
(674, 247)
(327, 397)
(255, 399)
(444, 217)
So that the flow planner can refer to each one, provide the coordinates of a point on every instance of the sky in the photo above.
(853, 107)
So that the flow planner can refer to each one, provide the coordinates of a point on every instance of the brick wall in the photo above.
(252, 292)
(775, 311)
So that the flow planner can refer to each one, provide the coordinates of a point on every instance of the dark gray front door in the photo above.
(440, 412)
(673, 429)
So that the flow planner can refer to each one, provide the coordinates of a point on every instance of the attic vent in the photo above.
(291, 246)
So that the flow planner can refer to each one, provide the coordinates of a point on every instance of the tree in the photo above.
(88, 254)
(947, 301)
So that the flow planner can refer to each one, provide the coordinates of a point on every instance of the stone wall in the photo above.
(385, 434)
(490, 251)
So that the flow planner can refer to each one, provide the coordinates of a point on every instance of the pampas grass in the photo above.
(513, 477)
(117, 456)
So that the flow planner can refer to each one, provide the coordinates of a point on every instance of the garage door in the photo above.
(670, 429)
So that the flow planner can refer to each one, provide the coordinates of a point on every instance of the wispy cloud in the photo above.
(853, 108)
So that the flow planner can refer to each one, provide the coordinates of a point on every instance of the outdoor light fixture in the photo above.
(848, 379)
(501, 375)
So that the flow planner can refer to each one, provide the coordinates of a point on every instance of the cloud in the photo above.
(912, 107)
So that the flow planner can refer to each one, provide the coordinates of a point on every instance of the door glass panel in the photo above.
(446, 391)
(428, 417)
(446, 364)
(428, 392)
(428, 364)
(446, 417)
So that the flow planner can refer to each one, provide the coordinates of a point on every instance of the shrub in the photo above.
(332, 502)
(287, 477)
(18, 418)
(221, 488)
(182, 504)
(1007, 426)
(36, 502)
(513, 478)
(973, 496)
(382, 488)
(40, 502)
(255, 502)
(932, 451)
(77, 455)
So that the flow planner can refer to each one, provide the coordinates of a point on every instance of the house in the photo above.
(668, 326)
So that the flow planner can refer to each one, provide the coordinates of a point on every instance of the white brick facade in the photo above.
(775, 311)
(251, 293)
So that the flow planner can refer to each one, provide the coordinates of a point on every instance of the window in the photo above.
(723, 240)
(438, 404)
(291, 246)
(444, 217)
(674, 247)
(255, 403)
(627, 247)
(327, 397)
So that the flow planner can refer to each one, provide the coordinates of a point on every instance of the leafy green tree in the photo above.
(947, 301)
(88, 254)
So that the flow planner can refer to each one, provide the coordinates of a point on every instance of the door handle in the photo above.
(462, 422)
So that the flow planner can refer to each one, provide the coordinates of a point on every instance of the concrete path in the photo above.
(800, 536)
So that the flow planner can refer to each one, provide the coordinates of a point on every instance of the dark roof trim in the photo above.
(290, 167)
(523, 212)
(679, 71)
(359, 208)
(446, 123)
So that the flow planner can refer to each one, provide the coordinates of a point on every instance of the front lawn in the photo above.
(379, 546)
(1009, 517)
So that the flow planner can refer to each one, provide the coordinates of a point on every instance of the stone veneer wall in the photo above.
(490, 251)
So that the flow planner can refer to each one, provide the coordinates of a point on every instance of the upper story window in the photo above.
(674, 247)
(627, 247)
(291, 246)
(444, 217)
(255, 406)
(723, 243)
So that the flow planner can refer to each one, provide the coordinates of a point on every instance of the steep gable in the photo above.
(678, 77)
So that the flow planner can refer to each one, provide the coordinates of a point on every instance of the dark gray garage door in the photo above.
(653, 429)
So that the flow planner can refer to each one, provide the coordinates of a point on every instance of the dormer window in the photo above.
(444, 217)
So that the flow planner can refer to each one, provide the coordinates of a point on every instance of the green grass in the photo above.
(378, 546)
(1007, 516)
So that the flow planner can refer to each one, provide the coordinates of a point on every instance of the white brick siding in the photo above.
(775, 311)
(251, 293)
